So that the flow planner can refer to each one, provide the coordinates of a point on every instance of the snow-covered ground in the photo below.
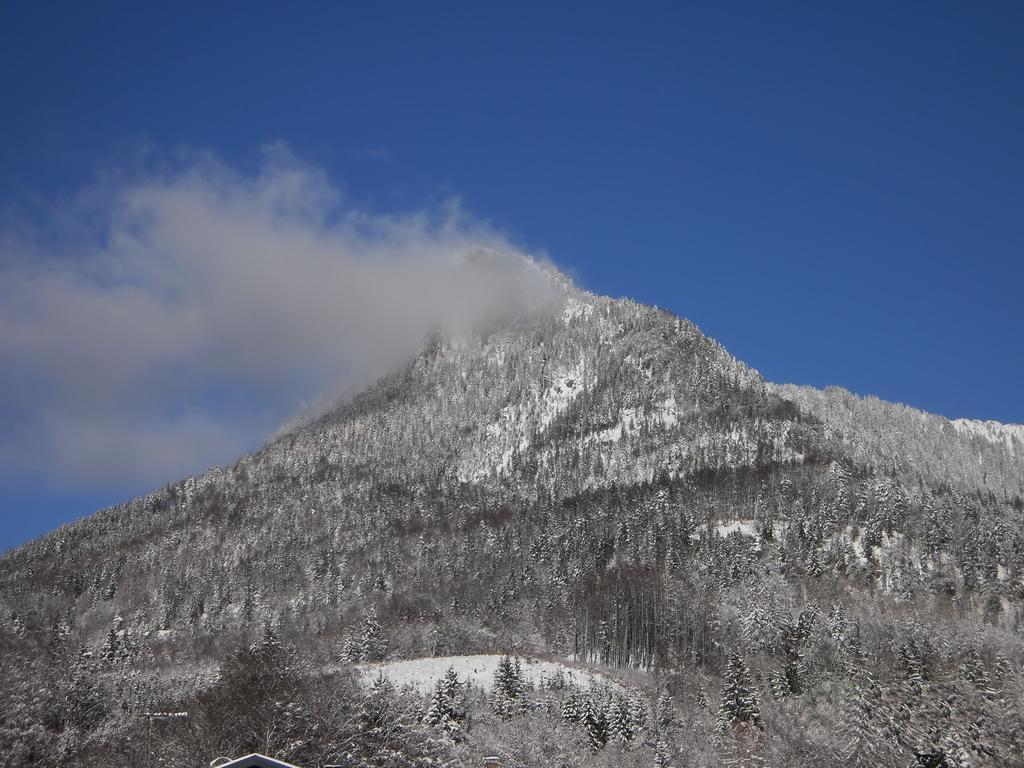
(746, 527)
(1010, 435)
(566, 385)
(631, 419)
(422, 674)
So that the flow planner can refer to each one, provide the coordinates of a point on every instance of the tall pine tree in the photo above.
(740, 702)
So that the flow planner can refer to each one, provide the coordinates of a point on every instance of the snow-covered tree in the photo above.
(740, 702)
(662, 758)
(572, 707)
(369, 644)
(665, 709)
(618, 722)
(639, 713)
(595, 723)
(508, 699)
(447, 708)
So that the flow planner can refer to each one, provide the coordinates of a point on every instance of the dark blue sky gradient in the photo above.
(833, 191)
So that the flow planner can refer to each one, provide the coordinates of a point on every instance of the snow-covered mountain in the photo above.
(590, 478)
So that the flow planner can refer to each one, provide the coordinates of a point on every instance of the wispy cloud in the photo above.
(161, 324)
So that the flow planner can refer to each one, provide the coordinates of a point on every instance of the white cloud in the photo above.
(168, 322)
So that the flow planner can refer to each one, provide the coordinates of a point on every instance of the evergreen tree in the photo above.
(368, 645)
(437, 712)
(837, 621)
(1004, 668)
(110, 652)
(759, 625)
(572, 712)
(617, 719)
(505, 676)
(638, 714)
(938, 758)
(861, 737)
(84, 703)
(507, 698)
(701, 699)
(374, 646)
(793, 636)
(661, 755)
(973, 667)
(447, 709)
(594, 723)
(665, 708)
(378, 713)
(912, 662)
(352, 651)
(453, 691)
(740, 702)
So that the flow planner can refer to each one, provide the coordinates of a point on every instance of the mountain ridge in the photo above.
(593, 479)
(575, 303)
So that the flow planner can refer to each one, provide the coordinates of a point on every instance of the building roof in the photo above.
(256, 761)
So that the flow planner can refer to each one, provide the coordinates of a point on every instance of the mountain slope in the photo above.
(969, 454)
(594, 479)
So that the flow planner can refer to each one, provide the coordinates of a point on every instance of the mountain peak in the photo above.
(579, 477)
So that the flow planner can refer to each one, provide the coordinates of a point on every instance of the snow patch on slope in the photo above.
(422, 674)
(511, 432)
(565, 387)
(666, 412)
(743, 527)
(631, 419)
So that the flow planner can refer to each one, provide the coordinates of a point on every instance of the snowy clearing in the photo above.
(746, 527)
(478, 670)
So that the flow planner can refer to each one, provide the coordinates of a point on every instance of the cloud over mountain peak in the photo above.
(179, 315)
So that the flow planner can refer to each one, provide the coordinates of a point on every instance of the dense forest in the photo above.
(763, 575)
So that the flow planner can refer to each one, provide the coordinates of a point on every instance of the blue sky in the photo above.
(833, 191)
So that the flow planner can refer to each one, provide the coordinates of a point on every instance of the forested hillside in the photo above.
(770, 575)
(965, 453)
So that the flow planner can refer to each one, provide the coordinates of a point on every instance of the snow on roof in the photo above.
(256, 760)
